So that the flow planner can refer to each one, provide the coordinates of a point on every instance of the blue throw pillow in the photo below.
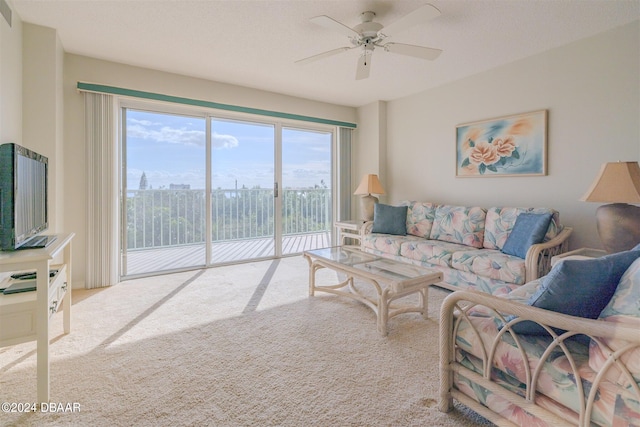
(389, 219)
(580, 288)
(528, 230)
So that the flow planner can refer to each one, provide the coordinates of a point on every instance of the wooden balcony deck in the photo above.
(147, 261)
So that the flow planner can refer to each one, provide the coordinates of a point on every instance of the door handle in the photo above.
(275, 189)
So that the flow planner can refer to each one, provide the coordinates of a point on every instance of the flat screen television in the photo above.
(23, 198)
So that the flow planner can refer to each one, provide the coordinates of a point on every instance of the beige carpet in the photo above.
(233, 346)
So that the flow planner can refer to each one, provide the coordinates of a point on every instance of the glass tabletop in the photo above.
(342, 255)
(393, 270)
(371, 265)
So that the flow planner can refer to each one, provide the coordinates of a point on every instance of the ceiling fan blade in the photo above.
(418, 16)
(411, 50)
(332, 24)
(364, 66)
(322, 55)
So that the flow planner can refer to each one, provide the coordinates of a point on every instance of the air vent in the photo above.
(5, 10)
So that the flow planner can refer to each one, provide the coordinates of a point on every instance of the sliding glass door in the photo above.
(207, 190)
(242, 183)
(306, 189)
(164, 180)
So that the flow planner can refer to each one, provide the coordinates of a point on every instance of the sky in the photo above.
(171, 149)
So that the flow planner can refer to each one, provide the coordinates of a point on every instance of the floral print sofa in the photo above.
(581, 372)
(465, 244)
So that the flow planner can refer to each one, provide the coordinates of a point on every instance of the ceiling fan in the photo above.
(369, 34)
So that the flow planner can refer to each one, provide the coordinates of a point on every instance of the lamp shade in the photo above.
(369, 185)
(617, 182)
(618, 223)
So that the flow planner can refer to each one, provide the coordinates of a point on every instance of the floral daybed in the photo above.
(467, 244)
(528, 376)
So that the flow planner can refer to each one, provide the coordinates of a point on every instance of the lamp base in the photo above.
(618, 226)
(366, 207)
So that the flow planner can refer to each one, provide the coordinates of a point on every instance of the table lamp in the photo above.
(618, 223)
(369, 184)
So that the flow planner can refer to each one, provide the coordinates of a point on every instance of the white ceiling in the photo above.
(254, 43)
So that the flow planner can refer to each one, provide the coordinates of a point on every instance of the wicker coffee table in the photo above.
(390, 279)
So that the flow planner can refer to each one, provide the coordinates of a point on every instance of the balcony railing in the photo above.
(165, 218)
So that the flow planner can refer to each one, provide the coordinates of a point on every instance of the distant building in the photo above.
(179, 186)
(143, 182)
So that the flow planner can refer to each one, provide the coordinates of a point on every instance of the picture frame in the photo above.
(513, 145)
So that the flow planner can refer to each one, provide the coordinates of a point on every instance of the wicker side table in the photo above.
(349, 229)
(582, 253)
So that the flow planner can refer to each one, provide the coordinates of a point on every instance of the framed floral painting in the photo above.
(507, 146)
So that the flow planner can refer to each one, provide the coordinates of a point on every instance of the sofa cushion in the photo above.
(431, 251)
(386, 243)
(524, 292)
(455, 280)
(389, 219)
(459, 224)
(528, 230)
(492, 264)
(622, 309)
(580, 288)
(420, 218)
(501, 220)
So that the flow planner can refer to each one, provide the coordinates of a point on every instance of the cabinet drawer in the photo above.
(57, 289)
(18, 311)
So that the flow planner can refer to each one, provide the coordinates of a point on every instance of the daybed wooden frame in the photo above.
(455, 308)
(538, 260)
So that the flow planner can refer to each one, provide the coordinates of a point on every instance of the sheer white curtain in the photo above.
(345, 189)
(102, 191)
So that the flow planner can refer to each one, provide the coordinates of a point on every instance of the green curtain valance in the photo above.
(91, 87)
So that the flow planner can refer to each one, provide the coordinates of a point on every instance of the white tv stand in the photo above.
(25, 316)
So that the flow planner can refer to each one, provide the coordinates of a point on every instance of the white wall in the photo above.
(591, 89)
(90, 70)
(11, 80)
(42, 116)
(31, 100)
(369, 149)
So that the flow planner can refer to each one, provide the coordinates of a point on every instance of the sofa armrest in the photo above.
(456, 309)
(364, 230)
(538, 260)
